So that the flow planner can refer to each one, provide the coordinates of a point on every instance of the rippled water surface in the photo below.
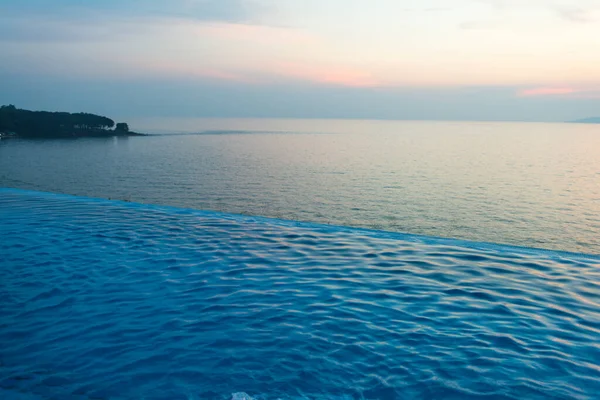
(113, 300)
(517, 183)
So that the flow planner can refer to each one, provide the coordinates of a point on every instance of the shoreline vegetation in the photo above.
(20, 123)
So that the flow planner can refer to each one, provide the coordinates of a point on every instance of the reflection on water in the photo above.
(112, 300)
(517, 183)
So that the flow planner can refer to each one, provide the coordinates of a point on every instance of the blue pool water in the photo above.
(114, 300)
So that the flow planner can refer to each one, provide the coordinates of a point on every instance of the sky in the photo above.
(515, 60)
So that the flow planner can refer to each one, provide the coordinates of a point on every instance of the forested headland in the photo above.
(44, 124)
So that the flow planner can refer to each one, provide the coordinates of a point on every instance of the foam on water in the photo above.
(112, 300)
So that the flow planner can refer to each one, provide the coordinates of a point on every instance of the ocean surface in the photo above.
(114, 300)
(529, 184)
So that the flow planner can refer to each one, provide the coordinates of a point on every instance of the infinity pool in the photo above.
(113, 300)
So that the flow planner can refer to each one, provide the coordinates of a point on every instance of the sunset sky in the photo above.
(532, 60)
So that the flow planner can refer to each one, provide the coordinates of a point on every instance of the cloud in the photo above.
(167, 68)
(582, 12)
(560, 91)
(438, 9)
(497, 4)
(545, 91)
(471, 25)
(256, 34)
(328, 75)
(236, 11)
(37, 29)
(575, 14)
(198, 98)
(75, 21)
(278, 73)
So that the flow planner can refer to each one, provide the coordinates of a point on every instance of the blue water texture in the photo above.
(114, 300)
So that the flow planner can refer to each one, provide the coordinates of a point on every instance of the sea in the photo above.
(302, 259)
(527, 184)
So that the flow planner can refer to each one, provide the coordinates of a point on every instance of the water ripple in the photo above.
(109, 300)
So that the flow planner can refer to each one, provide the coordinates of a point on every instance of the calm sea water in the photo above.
(111, 300)
(526, 184)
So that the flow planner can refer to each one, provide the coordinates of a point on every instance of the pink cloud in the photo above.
(333, 75)
(564, 91)
(546, 91)
(271, 73)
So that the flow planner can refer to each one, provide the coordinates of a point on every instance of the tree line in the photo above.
(43, 124)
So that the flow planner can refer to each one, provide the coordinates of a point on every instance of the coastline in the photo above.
(74, 135)
(16, 122)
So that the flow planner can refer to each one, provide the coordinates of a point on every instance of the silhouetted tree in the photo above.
(122, 127)
(53, 124)
(8, 118)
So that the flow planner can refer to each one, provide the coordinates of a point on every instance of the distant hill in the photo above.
(15, 122)
(595, 120)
